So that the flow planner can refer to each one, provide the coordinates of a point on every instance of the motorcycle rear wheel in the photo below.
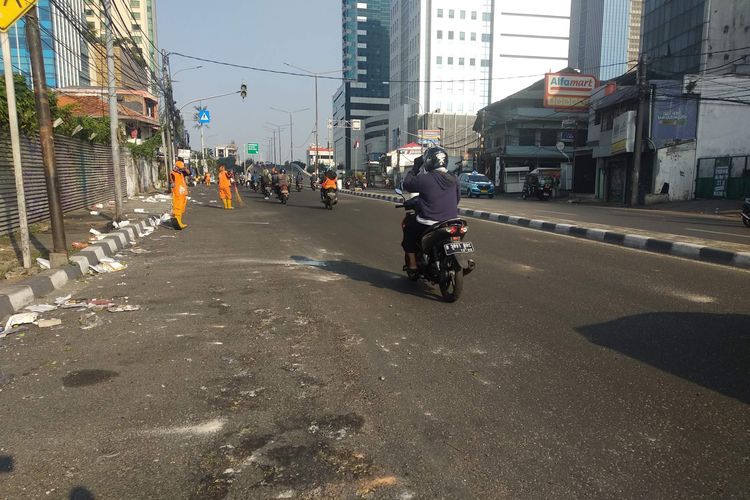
(746, 221)
(451, 287)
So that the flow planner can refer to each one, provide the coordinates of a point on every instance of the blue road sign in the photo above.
(204, 116)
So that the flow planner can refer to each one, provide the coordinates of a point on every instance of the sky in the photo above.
(260, 33)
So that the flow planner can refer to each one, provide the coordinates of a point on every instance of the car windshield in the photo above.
(478, 178)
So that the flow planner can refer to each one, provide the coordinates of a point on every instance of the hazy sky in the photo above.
(262, 33)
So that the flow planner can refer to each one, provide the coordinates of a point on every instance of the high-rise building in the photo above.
(66, 62)
(134, 24)
(604, 36)
(454, 58)
(696, 36)
(365, 39)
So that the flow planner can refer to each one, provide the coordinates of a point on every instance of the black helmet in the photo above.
(282, 171)
(435, 157)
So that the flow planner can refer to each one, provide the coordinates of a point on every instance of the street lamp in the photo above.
(315, 75)
(181, 70)
(276, 131)
(291, 128)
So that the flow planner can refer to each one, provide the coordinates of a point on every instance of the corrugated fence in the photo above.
(84, 170)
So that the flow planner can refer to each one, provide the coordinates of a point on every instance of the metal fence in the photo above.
(84, 170)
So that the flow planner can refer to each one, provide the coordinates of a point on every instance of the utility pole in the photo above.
(317, 144)
(59, 255)
(168, 104)
(291, 142)
(113, 115)
(15, 143)
(638, 147)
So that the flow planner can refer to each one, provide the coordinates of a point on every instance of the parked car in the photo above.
(475, 184)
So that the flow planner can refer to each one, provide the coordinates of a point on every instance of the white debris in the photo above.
(139, 210)
(20, 319)
(93, 212)
(41, 308)
(124, 308)
(47, 323)
(43, 263)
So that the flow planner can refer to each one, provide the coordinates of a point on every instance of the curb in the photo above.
(13, 298)
(635, 241)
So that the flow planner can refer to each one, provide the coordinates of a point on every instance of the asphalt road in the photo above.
(281, 354)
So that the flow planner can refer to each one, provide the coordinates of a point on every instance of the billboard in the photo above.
(428, 137)
(623, 133)
(675, 118)
(568, 90)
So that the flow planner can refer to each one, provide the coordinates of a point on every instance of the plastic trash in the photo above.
(61, 300)
(139, 210)
(90, 320)
(48, 323)
(99, 205)
(20, 319)
(41, 308)
(108, 266)
(124, 308)
(43, 263)
(79, 245)
(93, 212)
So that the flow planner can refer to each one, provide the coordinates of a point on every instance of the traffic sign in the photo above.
(204, 116)
(12, 10)
(252, 148)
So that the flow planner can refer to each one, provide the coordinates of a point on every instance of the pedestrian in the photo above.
(207, 178)
(179, 193)
(225, 188)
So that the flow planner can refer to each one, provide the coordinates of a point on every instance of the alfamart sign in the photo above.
(568, 90)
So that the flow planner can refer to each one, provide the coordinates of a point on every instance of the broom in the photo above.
(239, 198)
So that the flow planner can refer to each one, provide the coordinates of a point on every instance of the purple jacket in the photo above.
(438, 194)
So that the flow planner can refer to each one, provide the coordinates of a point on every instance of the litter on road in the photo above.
(43, 263)
(108, 266)
(124, 308)
(139, 210)
(18, 320)
(48, 323)
(41, 308)
(79, 245)
(89, 320)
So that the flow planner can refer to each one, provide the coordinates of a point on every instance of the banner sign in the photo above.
(623, 133)
(568, 90)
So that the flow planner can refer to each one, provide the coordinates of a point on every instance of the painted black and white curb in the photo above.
(636, 241)
(13, 298)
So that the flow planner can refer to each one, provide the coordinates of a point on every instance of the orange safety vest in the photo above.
(329, 184)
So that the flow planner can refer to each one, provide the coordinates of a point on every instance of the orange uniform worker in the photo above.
(225, 188)
(179, 193)
(207, 178)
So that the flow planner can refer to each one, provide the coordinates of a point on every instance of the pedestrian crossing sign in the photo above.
(204, 116)
(12, 10)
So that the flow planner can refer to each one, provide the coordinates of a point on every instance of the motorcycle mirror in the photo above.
(398, 191)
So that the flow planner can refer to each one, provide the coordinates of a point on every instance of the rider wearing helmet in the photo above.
(329, 182)
(282, 179)
(438, 199)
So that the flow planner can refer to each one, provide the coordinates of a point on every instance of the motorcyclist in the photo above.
(265, 181)
(282, 179)
(298, 180)
(438, 199)
(329, 182)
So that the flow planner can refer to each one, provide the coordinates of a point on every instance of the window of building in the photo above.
(474, 15)
(460, 61)
(486, 37)
(473, 37)
(136, 16)
(136, 4)
(440, 12)
(450, 35)
(450, 60)
(472, 62)
(548, 138)
(440, 34)
(439, 59)
(463, 14)
(485, 63)
(451, 13)
(527, 137)
(486, 16)
(462, 36)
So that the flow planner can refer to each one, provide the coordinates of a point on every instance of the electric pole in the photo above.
(15, 143)
(168, 102)
(638, 147)
(113, 115)
(59, 255)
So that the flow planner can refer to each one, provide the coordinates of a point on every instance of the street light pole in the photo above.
(291, 129)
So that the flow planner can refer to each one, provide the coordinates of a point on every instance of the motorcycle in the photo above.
(283, 194)
(299, 186)
(330, 198)
(746, 212)
(442, 255)
(313, 184)
(268, 191)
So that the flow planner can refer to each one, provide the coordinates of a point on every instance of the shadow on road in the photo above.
(712, 350)
(6, 464)
(80, 493)
(375, 277)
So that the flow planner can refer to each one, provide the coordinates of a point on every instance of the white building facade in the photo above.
(458, 57)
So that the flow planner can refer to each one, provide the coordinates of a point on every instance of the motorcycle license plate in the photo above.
(459, 247)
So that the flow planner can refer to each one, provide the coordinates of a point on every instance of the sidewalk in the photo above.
(77, 226)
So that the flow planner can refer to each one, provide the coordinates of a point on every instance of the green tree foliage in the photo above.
(147, 149)
(27, 122)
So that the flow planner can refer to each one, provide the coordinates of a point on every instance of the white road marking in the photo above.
(210, 427)
(247, 222)
(553, 212)
(716, 232)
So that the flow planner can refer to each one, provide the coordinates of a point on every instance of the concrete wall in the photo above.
(676, 165)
